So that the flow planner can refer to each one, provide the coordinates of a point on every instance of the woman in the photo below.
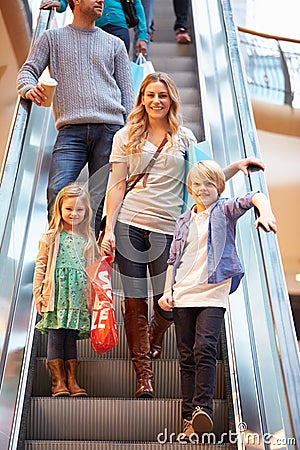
(140, 227)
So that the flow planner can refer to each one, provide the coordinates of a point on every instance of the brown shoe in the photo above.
(188, 431)
(58, 375)
(71, 371)
(135, 314)
(157, 329)
(201, 421)
(182, 36)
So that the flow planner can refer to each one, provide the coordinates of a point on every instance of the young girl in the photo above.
(204, 269)
(60, 289)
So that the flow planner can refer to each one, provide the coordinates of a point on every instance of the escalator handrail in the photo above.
(282, 335)
(14, 148)
(279, 304)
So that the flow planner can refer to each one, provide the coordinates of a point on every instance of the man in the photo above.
(93, 97)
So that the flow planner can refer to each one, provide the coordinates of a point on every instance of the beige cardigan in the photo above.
(43, 280)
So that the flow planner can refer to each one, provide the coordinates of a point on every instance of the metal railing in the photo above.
(272, 65)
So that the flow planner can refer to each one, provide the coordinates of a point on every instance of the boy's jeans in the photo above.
(197, 334)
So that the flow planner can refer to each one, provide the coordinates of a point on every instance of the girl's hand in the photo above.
(166, 302)
(267, 222)
(39, 306)
(108, 244)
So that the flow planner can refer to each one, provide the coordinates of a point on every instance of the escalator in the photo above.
(258, 386)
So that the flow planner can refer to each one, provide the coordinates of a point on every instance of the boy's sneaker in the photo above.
(182, 36)
(201, 421)
(188, 430)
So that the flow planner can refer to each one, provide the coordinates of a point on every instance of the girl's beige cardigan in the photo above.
(43, 281)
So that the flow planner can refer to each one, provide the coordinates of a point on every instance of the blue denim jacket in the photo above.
(223, 261)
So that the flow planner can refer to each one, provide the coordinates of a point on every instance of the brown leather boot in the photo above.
(135, 314)
(158, 327)
(71, 371)
(58, 374)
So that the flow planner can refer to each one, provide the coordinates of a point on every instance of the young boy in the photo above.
(204, 269)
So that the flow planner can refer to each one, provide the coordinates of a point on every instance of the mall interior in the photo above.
(239, 84)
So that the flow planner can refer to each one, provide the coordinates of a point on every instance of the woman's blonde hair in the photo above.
(74, 190)
(138, 121)
(206, 170)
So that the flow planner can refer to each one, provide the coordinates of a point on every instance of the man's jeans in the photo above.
(197, 335)
(181, 10)
(76, 146)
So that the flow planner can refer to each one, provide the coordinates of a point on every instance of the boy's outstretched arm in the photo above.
(166, 301)
(242, 165)
(266, 217)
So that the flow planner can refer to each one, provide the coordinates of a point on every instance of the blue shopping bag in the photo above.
(195, 153)
(139, 70)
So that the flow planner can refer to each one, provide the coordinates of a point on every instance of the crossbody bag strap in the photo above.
(131, 185)
(147, 169)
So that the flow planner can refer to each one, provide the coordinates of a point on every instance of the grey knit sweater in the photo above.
(93, 73)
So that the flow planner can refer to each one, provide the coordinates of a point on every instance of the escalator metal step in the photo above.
(96, 445)
(107, 419)
(116, 378)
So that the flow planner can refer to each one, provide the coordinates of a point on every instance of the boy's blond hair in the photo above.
(206, 170)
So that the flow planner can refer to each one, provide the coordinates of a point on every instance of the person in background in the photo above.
(93, 98)
(181, 10)
(139, 226)
(113, 21)
(61, 292)
(148, 6)
(203, 270)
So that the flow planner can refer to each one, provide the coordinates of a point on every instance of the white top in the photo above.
(191, 288)
(156, 206)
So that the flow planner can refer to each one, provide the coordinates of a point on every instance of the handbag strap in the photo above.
(147, 169)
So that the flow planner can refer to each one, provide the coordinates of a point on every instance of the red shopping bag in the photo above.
(103, 333)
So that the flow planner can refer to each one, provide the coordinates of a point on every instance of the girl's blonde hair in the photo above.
(56, 224)
(138, 121)
(206, 170)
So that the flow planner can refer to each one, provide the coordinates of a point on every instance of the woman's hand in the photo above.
(166, 302)
(141, 47)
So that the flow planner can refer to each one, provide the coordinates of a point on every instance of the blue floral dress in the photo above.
(70, 305)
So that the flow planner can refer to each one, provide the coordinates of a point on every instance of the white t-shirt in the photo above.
(157, 205)
(191, 288)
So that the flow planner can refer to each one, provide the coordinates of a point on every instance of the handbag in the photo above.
(133, 182)
(139, 70)
(130, 13)
(103, 334)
